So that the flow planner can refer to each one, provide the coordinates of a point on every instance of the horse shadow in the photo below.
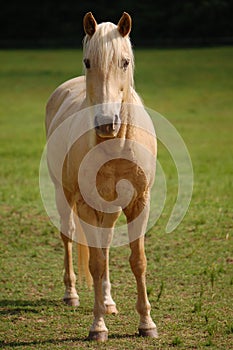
(17, 307)
(14, 307)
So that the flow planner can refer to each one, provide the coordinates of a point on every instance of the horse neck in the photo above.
(131, 107)
(125, 129)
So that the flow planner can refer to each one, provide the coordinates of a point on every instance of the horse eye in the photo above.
(125, 63)
(87, 63)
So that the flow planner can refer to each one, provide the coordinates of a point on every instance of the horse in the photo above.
(105, 99)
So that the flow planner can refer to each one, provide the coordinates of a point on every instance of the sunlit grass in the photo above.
(189, 270)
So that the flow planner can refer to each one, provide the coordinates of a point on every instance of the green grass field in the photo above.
(190, 277)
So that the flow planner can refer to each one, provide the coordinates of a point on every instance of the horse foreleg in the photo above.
(71, 297)
(138, 265)
(97, 265)
(110, 305)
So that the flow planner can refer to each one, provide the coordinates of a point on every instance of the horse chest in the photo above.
(113, 172)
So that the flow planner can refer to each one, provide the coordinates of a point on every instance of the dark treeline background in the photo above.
(47, 23)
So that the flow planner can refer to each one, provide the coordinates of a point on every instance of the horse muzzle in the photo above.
(106, 126)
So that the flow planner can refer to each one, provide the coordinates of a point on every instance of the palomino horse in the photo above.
(105, 97)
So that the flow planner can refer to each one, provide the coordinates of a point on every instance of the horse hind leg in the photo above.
(71, 297)
(67, 230)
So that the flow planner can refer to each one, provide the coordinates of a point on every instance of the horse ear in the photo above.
(125, 24)
(89, 24)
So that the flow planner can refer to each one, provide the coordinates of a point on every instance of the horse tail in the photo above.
(83, 265)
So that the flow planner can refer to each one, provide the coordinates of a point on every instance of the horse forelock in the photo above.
(106, 48)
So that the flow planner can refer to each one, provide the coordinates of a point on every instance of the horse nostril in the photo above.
(106, 125)
(96, 122)
(116, 119)
(108, 128)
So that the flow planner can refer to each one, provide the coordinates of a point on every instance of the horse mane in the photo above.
(107, 48)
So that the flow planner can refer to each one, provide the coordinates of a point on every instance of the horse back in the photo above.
(64, 101)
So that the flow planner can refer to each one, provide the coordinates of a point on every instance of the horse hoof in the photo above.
(111, 310)
(71, 301)
(98, 336)
(152, 333)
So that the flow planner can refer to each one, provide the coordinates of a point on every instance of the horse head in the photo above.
(109, 62)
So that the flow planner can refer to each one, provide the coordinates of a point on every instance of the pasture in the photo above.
(190, 277)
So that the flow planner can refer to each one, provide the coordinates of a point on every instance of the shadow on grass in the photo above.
(15, 344)
(29, 303)
(62, 341)
(14, 307)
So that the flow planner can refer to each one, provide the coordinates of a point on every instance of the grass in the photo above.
(189, 270)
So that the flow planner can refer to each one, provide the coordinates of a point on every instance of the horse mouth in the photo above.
(107, 130)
